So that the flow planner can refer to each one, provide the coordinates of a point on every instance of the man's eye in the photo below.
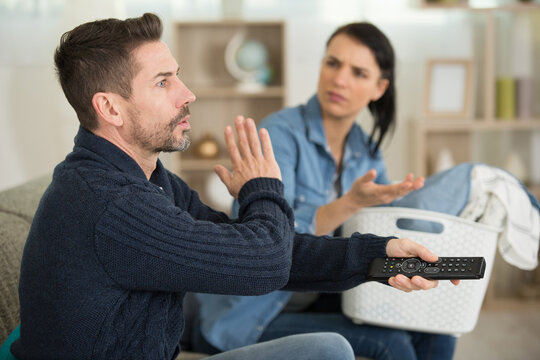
(161, 83)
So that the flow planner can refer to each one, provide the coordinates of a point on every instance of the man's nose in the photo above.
(185, 96)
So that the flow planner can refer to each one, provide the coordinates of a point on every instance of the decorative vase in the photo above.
(207, 148)
(524, 98)
(506, 98)
(218, 194)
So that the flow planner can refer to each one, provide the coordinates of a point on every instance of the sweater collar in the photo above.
(113, 154)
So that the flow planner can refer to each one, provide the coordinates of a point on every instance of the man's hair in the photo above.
(384, 109)
(97, 56)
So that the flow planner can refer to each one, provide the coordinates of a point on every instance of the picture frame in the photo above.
(449, 88)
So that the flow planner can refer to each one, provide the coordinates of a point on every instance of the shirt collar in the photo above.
(356, 142)
(315, 130)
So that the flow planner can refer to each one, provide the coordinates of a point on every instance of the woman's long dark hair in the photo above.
(384, 109)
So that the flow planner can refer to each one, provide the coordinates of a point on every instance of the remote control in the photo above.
(446, 268)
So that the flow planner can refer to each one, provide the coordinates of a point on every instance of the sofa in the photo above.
(17, 208)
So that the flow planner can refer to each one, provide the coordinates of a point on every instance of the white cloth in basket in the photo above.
(497, 198)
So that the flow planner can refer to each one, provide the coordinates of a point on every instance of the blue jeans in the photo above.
(317, 346)
(373, 342)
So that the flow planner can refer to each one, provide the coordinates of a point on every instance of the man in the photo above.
(118, 240)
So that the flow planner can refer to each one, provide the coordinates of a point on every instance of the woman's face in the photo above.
(349, 79)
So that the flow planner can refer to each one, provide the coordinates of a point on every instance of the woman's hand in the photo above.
(364, 192)
(249, 161)
(408, 248)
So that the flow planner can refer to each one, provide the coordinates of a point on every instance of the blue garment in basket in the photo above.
(447, 192)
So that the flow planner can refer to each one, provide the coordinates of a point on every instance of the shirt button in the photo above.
(302, 198)
(295, 224)
(279, 303)
(260, 328)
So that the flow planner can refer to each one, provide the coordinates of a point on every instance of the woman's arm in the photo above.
(363, 193)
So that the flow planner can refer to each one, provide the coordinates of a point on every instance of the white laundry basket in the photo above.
(447, 309)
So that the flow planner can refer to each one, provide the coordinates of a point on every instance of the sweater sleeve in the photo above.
(145, 242)
(323, 263)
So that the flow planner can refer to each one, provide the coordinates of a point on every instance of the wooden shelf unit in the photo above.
(199, 48)
(509, 286)
(432, 134)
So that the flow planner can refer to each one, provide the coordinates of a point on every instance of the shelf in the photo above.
(466, 6)
(447, 126)
(205, 43)
(234, 92)
(195, 164)
(200, 48)
(230, 23)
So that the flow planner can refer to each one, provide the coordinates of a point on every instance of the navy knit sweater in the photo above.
(110, 256)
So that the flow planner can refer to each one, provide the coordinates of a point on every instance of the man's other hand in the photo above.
(248, 160)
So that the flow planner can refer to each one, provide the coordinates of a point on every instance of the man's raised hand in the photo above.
(248, 160)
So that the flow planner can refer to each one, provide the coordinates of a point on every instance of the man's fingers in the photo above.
(403, 283)
(423, 284)
(425, 254)
(266, 144)
(231, 146)
(223, 174)
(243, 142)
(254, 142)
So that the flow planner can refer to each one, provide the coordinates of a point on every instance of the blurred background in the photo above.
(468, 89)
(499, 39)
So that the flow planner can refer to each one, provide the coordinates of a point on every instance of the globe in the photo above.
(247, 61)
(251, 55)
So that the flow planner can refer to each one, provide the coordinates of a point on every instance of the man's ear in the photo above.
(107, 108)
(381, 89)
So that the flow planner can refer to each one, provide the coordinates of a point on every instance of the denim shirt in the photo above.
(306, 163)
(308, 169)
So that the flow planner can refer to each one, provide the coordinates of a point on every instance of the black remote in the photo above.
(446, 268)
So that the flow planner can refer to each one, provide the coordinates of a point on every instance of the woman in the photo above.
(331, 169)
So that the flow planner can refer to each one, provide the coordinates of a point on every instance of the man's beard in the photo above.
(160, 140)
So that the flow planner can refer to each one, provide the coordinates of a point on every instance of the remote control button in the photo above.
(410, 265)
(431, 270)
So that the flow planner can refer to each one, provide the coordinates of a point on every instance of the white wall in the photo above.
(37, 124)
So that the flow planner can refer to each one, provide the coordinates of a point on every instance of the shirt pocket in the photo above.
(309, 194)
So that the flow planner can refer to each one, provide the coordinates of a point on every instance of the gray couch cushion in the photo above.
(13, 232)
(23, 200)
(17, 208)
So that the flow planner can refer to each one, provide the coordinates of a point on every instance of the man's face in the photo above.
(158, 113)
(349, 78)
